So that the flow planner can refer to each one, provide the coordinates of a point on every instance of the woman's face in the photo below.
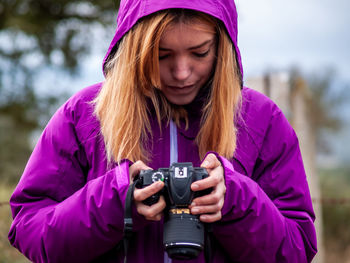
(186, 60)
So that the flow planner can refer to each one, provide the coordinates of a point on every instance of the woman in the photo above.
(173, 93)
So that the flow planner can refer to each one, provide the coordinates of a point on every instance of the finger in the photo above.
(144, 193)
(207, 209)
(214, 197)
(136, 167)
(210, 161)
(153, 212)
(153, 209)
(211, 218)
(157, 217)
(207, 200)
(213, 180)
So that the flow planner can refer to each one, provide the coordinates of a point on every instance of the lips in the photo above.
(180, 95)
(181, 89)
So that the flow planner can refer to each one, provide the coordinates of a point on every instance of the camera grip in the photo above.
(151, 200)
(146, 178)
(203, 192)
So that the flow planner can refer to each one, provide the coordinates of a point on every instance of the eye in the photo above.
(163, 56)
(201, 55)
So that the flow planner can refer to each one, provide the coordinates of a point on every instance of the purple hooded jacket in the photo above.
(68, 207)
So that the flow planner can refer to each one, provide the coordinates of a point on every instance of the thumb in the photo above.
(210, 161)
(136, 168)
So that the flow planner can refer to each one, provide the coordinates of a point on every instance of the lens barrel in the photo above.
(183, 236)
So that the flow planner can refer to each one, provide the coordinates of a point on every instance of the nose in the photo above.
(182, 68)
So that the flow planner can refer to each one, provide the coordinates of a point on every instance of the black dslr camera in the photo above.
(183, 235)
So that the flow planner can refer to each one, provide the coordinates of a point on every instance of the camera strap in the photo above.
(208, 247)
(128, 223)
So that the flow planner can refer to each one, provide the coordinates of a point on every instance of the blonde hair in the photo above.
(133, 81)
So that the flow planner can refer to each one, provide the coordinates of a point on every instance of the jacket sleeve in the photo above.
(270, 218)
(58, 215)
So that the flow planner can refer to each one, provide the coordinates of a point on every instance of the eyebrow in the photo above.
(190, 48)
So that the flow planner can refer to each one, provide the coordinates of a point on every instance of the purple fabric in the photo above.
(68, 207)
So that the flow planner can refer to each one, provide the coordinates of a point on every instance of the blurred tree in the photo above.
(315, 105)
(323, 102)
(35, 35)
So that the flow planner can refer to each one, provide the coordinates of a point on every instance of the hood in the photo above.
(130, 11)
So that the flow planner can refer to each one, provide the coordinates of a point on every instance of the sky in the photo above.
(272, 35)
(308, 33)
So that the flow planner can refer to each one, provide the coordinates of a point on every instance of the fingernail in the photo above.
(195, 210)
(193, 204)
(195, 186)
(205, 163)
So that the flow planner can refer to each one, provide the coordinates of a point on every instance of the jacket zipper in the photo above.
(173, 143)
(173, 159)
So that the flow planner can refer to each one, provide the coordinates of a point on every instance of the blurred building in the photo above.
(291, 97)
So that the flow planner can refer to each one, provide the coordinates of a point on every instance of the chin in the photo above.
(180, 102)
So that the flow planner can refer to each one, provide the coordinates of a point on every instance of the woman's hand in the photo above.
(154, 212)
(209, 206)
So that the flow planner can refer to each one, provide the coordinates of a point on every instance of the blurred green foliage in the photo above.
(335, 192)
(8, 253)
(45, 26)
(36, 35)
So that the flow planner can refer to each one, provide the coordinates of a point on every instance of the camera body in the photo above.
(177, 181)
(183, 235)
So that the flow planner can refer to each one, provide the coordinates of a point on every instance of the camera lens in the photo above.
(183, 235)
